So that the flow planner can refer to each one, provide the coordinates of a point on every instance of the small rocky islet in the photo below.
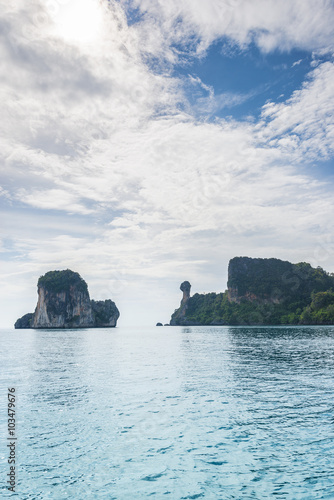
(64, 302)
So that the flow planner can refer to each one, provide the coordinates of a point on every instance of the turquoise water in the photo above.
(179, 413)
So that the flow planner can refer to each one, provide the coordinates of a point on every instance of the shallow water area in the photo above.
(172, 412)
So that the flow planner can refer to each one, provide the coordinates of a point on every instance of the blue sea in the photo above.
(170, 413)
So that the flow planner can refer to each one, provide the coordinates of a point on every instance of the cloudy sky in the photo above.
(147, 142)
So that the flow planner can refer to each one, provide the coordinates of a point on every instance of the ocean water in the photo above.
(170, 413)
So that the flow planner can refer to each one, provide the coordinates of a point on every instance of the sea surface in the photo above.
(170, 413)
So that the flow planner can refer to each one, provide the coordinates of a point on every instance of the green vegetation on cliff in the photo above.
(321, 309)
(207, 309)
(264, 292)
(61, 281)
(217, 309)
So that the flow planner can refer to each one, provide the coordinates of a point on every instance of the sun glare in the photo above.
(78, 21)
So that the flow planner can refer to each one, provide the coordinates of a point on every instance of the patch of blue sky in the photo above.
(324, 170)
(248, 78)
(133, 13)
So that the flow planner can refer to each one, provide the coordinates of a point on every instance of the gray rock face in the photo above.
(274, 281)
(68, 309)
(259, 280)
(64, 302)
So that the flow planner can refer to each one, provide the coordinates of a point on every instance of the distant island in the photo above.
(262, 292)
(64, 302)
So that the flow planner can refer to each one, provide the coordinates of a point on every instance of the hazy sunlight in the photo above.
(78, 21)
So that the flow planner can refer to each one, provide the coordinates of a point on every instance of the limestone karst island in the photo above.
(262, 292)
(64, 302)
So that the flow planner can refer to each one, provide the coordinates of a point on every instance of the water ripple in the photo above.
(203, 412)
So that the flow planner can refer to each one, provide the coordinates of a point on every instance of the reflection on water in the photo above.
(198, 412)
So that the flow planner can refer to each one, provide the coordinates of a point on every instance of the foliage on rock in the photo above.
(61, 281)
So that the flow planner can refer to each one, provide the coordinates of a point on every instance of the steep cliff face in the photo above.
(64, 302)
(274, 281)
(261, 280)
(68, 309)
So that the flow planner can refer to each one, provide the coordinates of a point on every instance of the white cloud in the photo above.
(297, 63)
(305, 123)
(52, 199)
(272, 25)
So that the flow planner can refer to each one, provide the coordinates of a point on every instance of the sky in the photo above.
(147, 142)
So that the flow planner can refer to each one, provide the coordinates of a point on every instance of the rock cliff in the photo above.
(274, 281)
(258, 279)
(64, 302)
